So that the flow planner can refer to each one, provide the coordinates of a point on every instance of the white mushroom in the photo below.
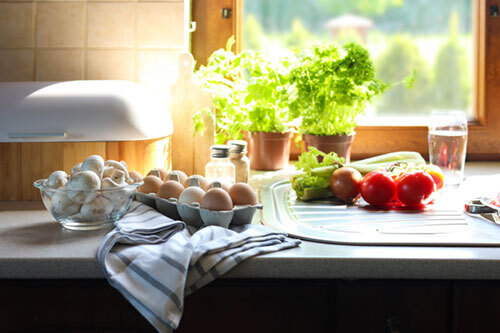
(63, 206)
(119, 177)
(57, 179)
(81, 187)
(94, 163)
(97, 209)
(76, 168)
(111, 166)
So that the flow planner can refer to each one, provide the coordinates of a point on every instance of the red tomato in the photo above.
(378, 188)
(415, 187)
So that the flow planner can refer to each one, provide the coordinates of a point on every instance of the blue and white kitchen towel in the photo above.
(155, 261)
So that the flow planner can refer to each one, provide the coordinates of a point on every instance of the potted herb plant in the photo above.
(333, 85)
(251, 94)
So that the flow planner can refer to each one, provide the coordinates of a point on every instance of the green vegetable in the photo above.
(383, 161)
(332, 86)
(314, 182)
(250, 92)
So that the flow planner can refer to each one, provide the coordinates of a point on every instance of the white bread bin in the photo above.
(47, 126)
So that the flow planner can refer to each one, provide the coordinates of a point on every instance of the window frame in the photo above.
(484, 132)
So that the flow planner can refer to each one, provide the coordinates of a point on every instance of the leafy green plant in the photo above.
(250, 92)
(332, 86)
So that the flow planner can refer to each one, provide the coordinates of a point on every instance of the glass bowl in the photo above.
(87, 210)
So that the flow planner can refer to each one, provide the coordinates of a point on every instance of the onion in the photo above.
(345, 183)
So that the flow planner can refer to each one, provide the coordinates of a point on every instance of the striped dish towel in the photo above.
(155, 261)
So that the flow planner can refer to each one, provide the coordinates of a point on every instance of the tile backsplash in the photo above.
(92, 40)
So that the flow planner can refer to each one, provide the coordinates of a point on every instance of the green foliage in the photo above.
(267, 92)
(366, 7)
(451, 80)
(403, 56)
(309, 160)
(252, 33)
(332, 86)
(249, 92)
(299, 36)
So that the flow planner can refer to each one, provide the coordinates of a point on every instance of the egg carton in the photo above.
(195, 216)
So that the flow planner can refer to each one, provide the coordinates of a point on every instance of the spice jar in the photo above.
(240, 160)
(220, 167)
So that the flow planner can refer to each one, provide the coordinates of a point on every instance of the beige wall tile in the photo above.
(110, 24)
(60, 24)
(160, 24)
(16, 25)
(157, 70)
(110, 65)
(16, 65)
(59, 65)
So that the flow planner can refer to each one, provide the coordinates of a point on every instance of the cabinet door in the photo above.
(476, 307)
(393, 306)
(260, 306)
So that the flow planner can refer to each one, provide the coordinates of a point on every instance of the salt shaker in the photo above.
(220, 167)
(240, 160)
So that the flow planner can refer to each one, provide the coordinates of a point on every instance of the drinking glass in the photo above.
(448, 143)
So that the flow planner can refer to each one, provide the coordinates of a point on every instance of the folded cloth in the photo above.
(155, 261)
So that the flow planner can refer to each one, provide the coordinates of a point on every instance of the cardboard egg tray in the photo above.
(195, 216)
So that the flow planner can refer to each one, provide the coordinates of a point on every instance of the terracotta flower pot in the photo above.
(269, 151)
(340, 144)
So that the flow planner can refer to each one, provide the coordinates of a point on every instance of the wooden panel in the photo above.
(10, 164)
(213, 31)
(475, 307)
(367, 306)
(31, 169)
(75, 152)
(23, 163)
(260, 306)
(143, 155)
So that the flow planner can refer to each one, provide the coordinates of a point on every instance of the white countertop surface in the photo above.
(34, 246)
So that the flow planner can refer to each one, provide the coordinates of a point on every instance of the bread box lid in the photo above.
(81, 111)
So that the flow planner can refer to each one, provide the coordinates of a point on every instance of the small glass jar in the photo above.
(240, 160)
(220, 167)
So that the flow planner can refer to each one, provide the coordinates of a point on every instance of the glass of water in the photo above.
(448, 143)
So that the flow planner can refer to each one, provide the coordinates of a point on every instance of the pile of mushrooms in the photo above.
(80, 195)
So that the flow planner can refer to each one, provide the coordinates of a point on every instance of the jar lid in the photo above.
(219, 151)
(238, 146)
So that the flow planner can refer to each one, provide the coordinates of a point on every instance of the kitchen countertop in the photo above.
(34, 246)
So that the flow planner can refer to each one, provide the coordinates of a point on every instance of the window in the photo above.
(483, 45)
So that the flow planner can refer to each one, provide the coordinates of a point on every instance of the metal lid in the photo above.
(238, 146)
(219, 151)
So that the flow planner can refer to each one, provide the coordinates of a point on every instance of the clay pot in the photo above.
(340, 144)
(269, 151)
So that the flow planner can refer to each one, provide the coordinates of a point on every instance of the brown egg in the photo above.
(163, 172)
(135, 175)
(182, 176)
(170, 189)
(225, 186)
(151, 185)
(216, 199)
(242, 194)
(202, 182)
(191, 194)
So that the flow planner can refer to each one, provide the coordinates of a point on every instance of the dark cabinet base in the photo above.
(84, 306)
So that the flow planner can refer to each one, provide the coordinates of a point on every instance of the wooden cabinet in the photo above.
(393, 306)
(476, 306)
(260, 306)
(367, 306)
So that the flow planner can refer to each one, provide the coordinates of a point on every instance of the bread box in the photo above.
(48, 126)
